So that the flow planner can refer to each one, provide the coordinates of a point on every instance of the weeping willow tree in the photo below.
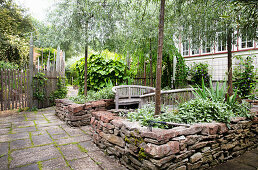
(201, 21)
(84, 22)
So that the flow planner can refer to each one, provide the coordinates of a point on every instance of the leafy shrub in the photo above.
(38, 84)
(244, 76)
(198, 72)
(181, 72)
(61, 91)
(100, 71)
(8, 65)
(105, 93)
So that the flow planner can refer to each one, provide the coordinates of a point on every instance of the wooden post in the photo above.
(159, 59)
(58, 60)
(30, 74)
(2, 90)
(174, 72)
(144, 73)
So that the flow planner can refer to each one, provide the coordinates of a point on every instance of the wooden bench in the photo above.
(130, 94)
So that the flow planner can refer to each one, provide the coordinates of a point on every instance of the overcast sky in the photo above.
(37, 8)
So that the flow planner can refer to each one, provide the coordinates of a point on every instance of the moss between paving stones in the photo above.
(56, 145)
(82, 149)
(40, 165)
(9, 154)
(30, 137)
(46, 118)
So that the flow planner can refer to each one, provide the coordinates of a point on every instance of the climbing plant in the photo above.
(60, 92)
(38, 84)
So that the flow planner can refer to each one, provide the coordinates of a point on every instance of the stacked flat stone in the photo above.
(79, 114)
(200, 146)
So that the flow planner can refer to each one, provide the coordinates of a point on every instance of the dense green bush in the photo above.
(199, 71)
(181, 72)
(244, 76)
(209, 105)
(105, 93)
(61, 91)
(8, 65)
(100, 72)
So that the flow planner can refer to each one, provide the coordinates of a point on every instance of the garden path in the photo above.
(71, 92)
(39, 140)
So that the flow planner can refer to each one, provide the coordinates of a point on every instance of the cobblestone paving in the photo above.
(39, 140)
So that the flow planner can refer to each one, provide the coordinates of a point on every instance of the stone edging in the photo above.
(200, 146)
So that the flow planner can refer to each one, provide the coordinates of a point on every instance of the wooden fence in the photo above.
(13, 89)
(16, 86)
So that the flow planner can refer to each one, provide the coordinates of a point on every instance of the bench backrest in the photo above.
(131, 91)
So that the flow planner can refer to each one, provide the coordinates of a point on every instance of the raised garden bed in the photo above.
(202, 145)
(80, 114)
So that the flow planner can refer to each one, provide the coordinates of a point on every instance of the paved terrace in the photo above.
(39, 140)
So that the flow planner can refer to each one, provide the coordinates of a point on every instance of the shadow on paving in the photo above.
(39, 140)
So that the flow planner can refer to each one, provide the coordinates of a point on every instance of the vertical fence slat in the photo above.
(20, 93)
(11, 89)
(15, 88)
(2, 90)
(18, 89)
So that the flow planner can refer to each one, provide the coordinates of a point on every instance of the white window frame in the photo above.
(219, 43)
(204, 48)
(241, 41)
(183, 48)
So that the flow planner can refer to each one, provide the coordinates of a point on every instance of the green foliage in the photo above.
(199, 71)
(181, 72)
(203, 110)
(214, 94)
(46, 53)
(14, 30)
(100, 71)
(60, 92)
(219, 94)
(38, 84)
(105, 93)
(245, 77)
(8, 65)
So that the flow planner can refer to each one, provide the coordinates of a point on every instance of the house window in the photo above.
(222, 43)
(195, 50)
(185, 48)
(246, 43)
(206, 46)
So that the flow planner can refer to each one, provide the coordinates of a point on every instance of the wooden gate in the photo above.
(16, 86)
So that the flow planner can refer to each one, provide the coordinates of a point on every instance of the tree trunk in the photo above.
(229, 46)
(159, 60)
(151, 76)
(86, 60)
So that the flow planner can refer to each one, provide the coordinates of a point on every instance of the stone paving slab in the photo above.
(73, 139)
(89, 146)
(4, 131)
(41, 140)
(72, 152)
(4, 148)
(29, 167)
(10, 137)
(20, 143)
(4, 162)
(32, 155)
(105, 161)
(73, 131)
(57, 163)
(25, 129)
(84, 164)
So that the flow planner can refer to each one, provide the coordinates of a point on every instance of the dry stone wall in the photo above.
(79, 114)
(200, 146)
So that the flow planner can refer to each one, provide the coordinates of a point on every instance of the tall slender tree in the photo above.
(159, 60)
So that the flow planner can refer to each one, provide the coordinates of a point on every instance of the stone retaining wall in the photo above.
(80, 114)
(198, 147)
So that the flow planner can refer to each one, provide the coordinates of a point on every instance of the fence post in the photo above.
(30, 90)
